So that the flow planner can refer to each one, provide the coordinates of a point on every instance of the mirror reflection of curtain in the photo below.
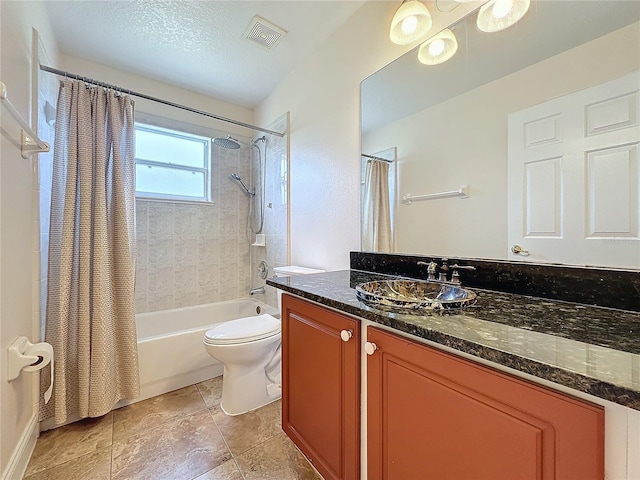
(90, 317)
(376, 211)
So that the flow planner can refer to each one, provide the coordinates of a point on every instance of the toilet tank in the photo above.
(290, 271)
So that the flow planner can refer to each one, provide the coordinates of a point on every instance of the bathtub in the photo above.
(170, 350)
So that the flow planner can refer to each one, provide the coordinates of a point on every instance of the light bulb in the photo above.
(439, 49)
(502, 8)
(409, 25)
(496, 15)
(436, 47)
(410, 22)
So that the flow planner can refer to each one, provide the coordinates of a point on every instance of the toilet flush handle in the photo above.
(346, 335)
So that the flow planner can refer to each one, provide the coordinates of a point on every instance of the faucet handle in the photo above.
(455, 266)
(455, 275)
(431, 269)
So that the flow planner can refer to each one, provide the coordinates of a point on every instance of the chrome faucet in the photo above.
(432, 268)
(255, 291)
(455, 275)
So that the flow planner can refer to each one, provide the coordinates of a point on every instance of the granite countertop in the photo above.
(587, 348)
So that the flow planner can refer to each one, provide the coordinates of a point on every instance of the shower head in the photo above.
(229, 142)
(236, 177)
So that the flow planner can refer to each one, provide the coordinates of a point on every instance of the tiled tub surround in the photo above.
(198, 253)
(275, 211)
(590, 349)
(190, 253)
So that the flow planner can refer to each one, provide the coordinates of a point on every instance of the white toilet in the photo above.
(249, 349)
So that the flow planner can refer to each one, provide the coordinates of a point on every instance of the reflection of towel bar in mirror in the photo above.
(30, 143)
(462, 192)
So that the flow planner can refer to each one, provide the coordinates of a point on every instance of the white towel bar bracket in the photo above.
(29, 146)
(30, 143)
(462, 192)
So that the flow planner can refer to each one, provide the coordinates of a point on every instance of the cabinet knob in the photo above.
(369, 348)
(346, 335)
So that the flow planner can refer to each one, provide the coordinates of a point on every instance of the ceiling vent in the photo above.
(263, 33)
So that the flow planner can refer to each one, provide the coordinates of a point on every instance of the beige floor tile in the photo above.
(181, 449)
(142, 416)
(226, 471)
(245, 431)
(277, 458)
(211, 391)
(63, 444)
(94, 466)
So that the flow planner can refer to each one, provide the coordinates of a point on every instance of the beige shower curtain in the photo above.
(90, 297)
(376, 211)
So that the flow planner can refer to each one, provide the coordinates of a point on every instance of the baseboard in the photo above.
(21, 455)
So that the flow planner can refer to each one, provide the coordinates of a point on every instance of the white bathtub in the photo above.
(170, 350)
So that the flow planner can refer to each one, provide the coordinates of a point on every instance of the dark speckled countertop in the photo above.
(587, 348)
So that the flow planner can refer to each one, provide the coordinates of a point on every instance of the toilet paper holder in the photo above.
(17, 360)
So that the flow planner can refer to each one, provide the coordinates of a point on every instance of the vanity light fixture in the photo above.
(410, 23)
(438, 49)
(497, 15)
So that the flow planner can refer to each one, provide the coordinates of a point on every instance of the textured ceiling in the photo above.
(197, 45)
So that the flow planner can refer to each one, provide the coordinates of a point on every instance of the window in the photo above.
(172, 165)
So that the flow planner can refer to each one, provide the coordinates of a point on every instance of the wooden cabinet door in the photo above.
(434, 415)
(321, 387)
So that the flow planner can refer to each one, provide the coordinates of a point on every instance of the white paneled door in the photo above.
(574, 177)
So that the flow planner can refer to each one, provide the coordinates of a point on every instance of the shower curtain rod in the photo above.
(158, 100)
(373, 157)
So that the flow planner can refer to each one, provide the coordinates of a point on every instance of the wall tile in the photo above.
(207, 220)
(208, 248)
(185, 219)
(185, 277)
(161, 251)
(142, 218)
(186, 298)
(208, 294)
(185, 250)
(161, 280)
(160, 218)
(160, 300)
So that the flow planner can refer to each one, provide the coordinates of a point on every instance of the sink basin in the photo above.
(414, 295)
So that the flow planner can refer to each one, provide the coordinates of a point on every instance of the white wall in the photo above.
(323, 97)
(464, 141)
(18, 248)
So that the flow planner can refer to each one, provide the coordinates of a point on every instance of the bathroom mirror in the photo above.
(449, 127)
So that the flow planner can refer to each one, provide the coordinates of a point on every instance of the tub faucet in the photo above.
(257, 290)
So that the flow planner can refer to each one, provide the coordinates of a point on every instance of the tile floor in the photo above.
(181, 435)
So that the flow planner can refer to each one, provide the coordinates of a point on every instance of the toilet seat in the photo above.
(242, 330)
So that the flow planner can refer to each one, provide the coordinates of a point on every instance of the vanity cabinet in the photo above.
(321, 386)
(435, 415)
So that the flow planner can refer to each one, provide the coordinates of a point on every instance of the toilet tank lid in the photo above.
(295, 270)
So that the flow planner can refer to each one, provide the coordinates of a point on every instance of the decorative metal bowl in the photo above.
(414, 295)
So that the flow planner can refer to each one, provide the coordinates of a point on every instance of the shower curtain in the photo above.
(90, 317)
(376, 212)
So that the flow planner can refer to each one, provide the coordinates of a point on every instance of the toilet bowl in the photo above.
(249, 349)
